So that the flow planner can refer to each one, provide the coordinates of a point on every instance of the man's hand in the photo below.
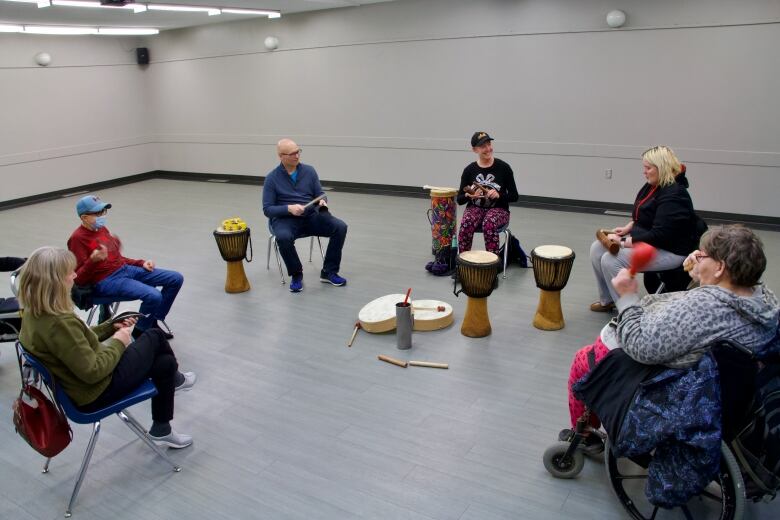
(99, 254)
(123, 335)
(149, 265)
(295, 209)
(323, 202)
(624, 283)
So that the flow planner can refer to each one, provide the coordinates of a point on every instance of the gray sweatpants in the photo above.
(606, 266)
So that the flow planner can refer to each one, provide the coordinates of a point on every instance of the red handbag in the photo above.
(41, 422)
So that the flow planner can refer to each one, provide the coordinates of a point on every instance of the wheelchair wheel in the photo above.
(722, 499)
(560, 466)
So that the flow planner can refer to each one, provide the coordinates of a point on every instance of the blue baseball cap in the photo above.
(91, 204)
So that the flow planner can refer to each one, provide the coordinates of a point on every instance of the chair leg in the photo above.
(91, 314)
(506, 251)
(311, 247)
(268, 253)
(319, 243)
(136, 427)
(278, 259)
(46, 466)
(84, 465)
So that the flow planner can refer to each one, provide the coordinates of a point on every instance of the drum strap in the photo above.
(251, 253)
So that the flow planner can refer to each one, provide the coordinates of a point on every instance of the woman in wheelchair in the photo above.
(674, 330)
(99, 365)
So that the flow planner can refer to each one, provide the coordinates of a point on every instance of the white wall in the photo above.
(390, 93)
(82, 119)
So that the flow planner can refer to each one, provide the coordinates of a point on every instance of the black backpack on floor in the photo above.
(516, 254)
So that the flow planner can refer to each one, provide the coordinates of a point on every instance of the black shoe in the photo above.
(591, 444)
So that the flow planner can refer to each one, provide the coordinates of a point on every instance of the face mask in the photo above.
(99, 223)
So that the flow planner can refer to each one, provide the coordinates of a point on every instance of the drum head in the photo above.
(444, 192)
(478, 257)
(552, 252)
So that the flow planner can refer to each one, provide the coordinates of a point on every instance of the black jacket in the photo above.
(666, 219)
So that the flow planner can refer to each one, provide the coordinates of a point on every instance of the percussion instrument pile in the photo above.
(379, 315)
(478, 276)
(233, 237)
(552, 267)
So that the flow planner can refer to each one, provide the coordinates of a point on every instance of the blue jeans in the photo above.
(321, 224)
(130, 282)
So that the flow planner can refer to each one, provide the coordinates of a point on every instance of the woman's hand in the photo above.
(129, 322)
(691, 264)
(123, 335)
(624, 230)
(624, 283)
(492, 194)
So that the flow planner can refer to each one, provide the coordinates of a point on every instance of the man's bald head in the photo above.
(289, 153)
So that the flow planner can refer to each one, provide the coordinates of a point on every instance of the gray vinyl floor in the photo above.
(290, 423)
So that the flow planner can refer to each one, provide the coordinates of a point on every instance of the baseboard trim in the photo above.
(550, 203)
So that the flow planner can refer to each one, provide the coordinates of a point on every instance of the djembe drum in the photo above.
(477, 274)
(233, 245)
(552, 267)
(442, 216)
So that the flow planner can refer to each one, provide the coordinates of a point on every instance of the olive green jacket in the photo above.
(73, 352)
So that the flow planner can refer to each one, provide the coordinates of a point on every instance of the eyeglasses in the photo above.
(699, 256)
(298, 152)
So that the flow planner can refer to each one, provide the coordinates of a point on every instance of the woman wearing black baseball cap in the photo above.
(487, 186)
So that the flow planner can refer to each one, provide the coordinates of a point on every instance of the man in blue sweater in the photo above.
(287, 189)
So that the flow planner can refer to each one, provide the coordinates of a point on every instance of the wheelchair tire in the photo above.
(728, 480)
(554, 462)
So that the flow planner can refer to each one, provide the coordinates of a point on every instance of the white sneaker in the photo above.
(173, 440)
(189, 382)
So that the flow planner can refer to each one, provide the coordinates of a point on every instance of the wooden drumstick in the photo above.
(358, 326)
(392, 361)
(314, 201)
(440, 308)
(428, 364)
(613, 246)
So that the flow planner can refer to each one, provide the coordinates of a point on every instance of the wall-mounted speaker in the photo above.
(142, 55)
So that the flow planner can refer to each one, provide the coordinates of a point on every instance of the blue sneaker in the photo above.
(296, 283)
(333, 279)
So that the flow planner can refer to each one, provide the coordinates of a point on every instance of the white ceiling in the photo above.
(24, 13)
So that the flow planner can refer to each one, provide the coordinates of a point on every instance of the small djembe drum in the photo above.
(477, 274)
(233, 238)
(442, 216)
(552, 267)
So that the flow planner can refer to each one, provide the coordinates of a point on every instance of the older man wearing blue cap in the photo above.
(100, 264)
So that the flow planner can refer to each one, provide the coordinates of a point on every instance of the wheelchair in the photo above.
(726, 495)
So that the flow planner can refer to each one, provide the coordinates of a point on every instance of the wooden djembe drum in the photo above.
(477, 274)
(233, 244)
(552, 267)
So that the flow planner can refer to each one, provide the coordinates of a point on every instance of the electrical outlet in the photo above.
(608, 174)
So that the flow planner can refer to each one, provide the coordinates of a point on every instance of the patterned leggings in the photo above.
(491, 220)
(580, 367)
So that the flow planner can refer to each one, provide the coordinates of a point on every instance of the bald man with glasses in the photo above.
(287, 190)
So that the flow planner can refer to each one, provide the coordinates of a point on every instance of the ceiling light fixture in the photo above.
(236, 10)
(136, 8)
(127, 31)
(211, 11)
(58, 29)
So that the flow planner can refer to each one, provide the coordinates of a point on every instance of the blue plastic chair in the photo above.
(272, 243)
(146, 391)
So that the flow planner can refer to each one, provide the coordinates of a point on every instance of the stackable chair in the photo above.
(144, 392)
(10, 313)
(272, 244)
